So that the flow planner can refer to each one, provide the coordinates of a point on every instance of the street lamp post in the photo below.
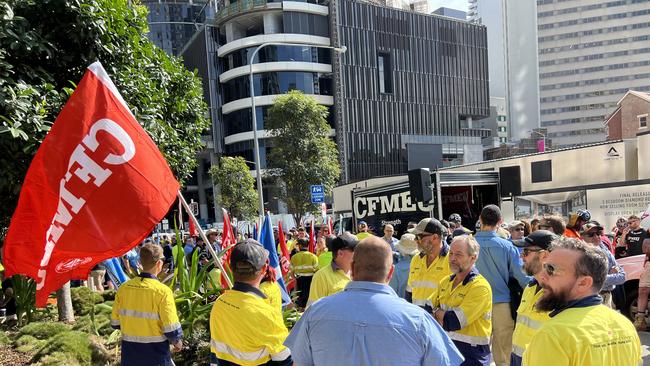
(258, 170)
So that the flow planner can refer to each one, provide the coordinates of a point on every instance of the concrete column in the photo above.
(273, 23)
(233, 32)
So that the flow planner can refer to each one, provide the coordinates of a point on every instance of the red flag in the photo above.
(227, 239)
(330, 226)
(192, 229)
(312, 238)
(283, 249)
(96, 187)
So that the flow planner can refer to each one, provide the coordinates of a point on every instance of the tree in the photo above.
(302, 152)
(45, 47)
(237, 187)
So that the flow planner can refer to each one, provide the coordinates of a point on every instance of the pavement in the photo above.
(645, 347)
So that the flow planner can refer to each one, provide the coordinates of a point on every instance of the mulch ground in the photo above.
(9, 356)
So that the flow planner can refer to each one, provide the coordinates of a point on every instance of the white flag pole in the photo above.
(217, 262)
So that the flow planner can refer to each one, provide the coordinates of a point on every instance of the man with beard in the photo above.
(463, 303)
(536, 248)
(430, 266)
(581, 330)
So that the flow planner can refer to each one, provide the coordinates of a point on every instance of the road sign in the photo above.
(317, 193)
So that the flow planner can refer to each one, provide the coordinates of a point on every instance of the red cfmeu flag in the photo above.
(312, 238)
(283, 250)
(227, 239)
(194, 232)
(96, 187)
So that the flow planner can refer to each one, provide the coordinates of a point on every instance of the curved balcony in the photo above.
(268, 100)
(271, 38)
(233, 9)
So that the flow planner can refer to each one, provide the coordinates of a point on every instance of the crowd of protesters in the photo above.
(531, 293)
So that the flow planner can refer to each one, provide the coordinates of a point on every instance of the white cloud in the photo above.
(453, 4)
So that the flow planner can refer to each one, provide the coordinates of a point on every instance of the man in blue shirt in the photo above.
(363, 324)
(498, 263)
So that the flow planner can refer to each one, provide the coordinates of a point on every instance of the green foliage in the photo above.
(57, 359)
(291, 317)
(75, 345)
(4, 338)
(195, 289)
(29, 344)
(45, 46)
(236, 185)
(43, 330)
(302, 152)
(83, 300)
(25, 295)
(196, 349)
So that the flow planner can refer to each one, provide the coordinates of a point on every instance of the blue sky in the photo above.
(454, 4)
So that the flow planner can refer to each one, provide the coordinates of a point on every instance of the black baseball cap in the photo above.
(344, 241)
(248, 257)
(429, 226)
(539, 238)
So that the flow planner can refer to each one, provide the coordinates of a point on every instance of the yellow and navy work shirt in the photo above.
(304, 263)
(423, 279)
(529, 320)
(364, 234)
(325, 259)
(145, 311)
(327, 281)
(246, 330)
(585, 333)
(273, 294)
(468, 308)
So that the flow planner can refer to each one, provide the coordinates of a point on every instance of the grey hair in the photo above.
(592, 262)
(473, 247)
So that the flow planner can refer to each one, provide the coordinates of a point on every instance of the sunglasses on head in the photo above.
(551, 269)
(527, 251)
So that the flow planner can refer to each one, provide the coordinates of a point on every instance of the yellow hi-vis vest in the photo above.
(145, 311)
(273, 294)
(529, 319)
(304, 263)
(424, 280)
(327, 281)
(245, 329)
(591, 335)
(471, 301)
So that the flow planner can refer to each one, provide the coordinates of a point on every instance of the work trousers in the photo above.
(502, 328)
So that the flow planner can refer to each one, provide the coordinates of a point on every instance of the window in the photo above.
(541, 171)
(385, 73)
(643, 121)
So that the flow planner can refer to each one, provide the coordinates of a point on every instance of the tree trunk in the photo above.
(64, 304)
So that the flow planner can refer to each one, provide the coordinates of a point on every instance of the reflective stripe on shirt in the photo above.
(469, 339)
(420, 302)
(246, 356)
(143, 339)
(171, 327)
(522, 319)
(281, 356)
(518, 350)
(425, 284)
(139, 314)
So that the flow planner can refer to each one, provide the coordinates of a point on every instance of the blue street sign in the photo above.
(317, 193)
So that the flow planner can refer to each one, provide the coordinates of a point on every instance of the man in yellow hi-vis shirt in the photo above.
(244, 328)
(463, 303)
(581, 330)
(430, 266)
(145, 311)
(303, 266)
(333, 278)
(536, 248)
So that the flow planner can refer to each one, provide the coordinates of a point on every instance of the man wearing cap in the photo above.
(498, 263)
(363, 233)
(591, 233)
(457, 227)
(536, 248)
(576, 221)
(516, 229)
(581, 330)
(407, 247)
(367, 324)
(303, 266)
(463, 302)
(431, 265)
(333, 278)
(244, 328)
(145, 312)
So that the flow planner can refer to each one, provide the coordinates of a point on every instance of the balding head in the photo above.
(372, 261)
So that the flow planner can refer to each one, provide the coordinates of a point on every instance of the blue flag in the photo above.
(267, 240)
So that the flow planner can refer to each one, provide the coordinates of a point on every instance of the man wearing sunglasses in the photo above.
(535, 249)
(581, 330)
(430, 266)
(591, 234)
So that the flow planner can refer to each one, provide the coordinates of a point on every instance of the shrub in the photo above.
(74, 344)
(83, 298)
(43, 330)
(28, 344)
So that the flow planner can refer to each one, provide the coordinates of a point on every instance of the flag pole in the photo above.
(217, 262)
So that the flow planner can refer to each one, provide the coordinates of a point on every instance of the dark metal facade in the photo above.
(439, 74)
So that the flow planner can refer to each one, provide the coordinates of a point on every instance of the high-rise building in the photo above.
(173, 22)
(452, 13)
(408, 81)
(512, 53)
(590, 54)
